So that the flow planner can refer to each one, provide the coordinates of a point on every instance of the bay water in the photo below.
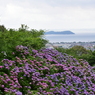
(71, 37)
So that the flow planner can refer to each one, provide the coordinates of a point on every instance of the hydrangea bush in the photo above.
(45, 72)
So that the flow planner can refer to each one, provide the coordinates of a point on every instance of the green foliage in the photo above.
(63, 50)
(91, 58)
(80, 52)
(2, 28)
(9, 39)
(75, 51)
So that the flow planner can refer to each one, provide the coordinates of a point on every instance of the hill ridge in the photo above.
(60, 32)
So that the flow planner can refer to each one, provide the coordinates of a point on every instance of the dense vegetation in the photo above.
(26, 68)
(45, 72)
(80, 52)
(10, 38)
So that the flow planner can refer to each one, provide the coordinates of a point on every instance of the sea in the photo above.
(87, 37)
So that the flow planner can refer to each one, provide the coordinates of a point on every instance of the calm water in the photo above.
(71, 38)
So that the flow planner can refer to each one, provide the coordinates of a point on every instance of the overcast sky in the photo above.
(48, 14)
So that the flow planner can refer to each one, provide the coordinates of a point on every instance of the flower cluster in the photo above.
(45, 72)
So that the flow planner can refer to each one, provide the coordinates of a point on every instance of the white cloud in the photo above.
(45, 14)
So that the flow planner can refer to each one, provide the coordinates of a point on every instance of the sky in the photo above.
(48, 14)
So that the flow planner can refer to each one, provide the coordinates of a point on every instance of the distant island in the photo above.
(59, 32)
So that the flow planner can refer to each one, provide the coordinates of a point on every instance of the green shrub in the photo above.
(80, 52)
(11, 38)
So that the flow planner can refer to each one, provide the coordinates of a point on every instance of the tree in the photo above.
(11, 38)
(23, 28)
(78, 50)
(91, 58)
(2, 28)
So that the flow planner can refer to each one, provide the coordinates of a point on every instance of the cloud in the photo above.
(48, 14)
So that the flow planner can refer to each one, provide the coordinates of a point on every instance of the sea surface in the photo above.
(71, 38)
